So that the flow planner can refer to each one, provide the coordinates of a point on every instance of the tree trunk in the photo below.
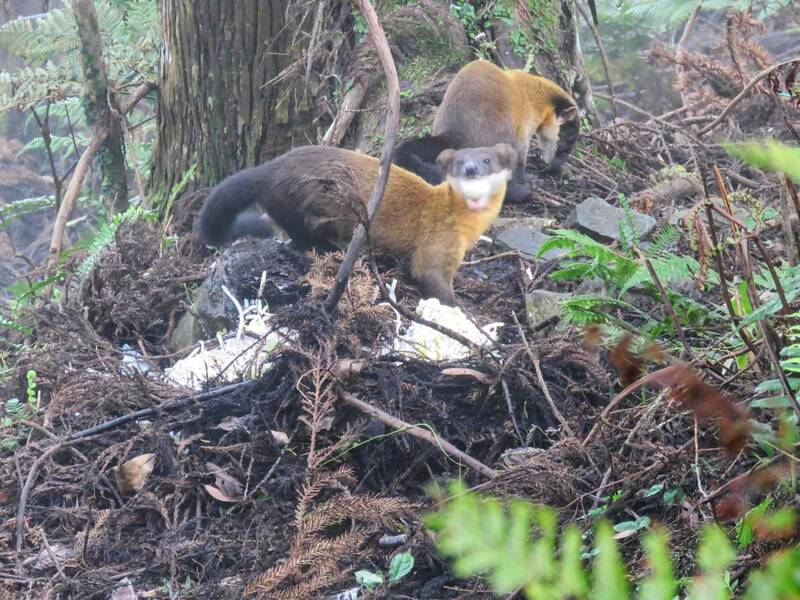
(544, 39)
(219, 109)
(95, 104)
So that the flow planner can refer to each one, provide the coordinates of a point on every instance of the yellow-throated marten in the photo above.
(485, 105)
(318, 194)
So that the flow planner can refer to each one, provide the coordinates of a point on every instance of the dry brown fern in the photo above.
(331, 534)
(317, 398)
(357, 310)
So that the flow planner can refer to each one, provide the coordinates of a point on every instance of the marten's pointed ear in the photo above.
(569, 114)
(444, 159)
(506, 155)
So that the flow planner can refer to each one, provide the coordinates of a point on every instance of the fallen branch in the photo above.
(390, 134)
(741, 96)
(169, 405)
(99, 135)
(418, 432)
(591, 23)
(347, 111)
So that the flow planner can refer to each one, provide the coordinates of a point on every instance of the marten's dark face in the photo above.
(569, 128)
(477, 174)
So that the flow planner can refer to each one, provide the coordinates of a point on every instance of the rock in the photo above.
(524, 235)
(542, 305)
(239, 268)
(528, 241)
(598, 219)
(502, 223)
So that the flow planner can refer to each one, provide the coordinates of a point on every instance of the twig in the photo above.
(623, 450)
(697, 457)
(624, 394)
(679, 49)
(667, 303)
(44, 128)
(100, 133)
(392, 125)
(485, 259)
(542, 383)
(510, 406)
(53, 556)
(418, 432)
(653, 117)
(750, 85)
(546, 391)
(601, 48)
(169, 405)
(26, 489)
(723, 280)
(750, 234)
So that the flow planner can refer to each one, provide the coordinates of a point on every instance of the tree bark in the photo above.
(219, 108)
(96, 106)
(544, 39)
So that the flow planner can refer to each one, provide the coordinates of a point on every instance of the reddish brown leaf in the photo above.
(629, 366)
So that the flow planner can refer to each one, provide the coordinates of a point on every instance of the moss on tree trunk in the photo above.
(96, 106)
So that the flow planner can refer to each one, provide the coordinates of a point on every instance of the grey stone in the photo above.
(239, 268)
(597, 218)
(503, 223)
(528, 241)
(541, 305)
(523, 234)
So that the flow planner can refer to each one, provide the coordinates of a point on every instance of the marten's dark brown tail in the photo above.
(419, 155)
(222, 217)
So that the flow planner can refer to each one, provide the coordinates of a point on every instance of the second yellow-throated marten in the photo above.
(485, 105)
(318, 194)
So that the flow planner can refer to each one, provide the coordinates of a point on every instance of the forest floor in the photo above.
(281, 485)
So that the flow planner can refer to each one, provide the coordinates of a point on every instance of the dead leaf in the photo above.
(464, 372)
(348, 368)
(230, 423)
(218, 495)
(280, 438)
(628, 365)
(226, 484)
(131, 476)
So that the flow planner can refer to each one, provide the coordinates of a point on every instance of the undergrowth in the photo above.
(517, 546)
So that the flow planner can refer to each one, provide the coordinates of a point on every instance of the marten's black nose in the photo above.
(470, 169)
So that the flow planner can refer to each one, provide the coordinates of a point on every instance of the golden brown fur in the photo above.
(485, 105)
(318, 195)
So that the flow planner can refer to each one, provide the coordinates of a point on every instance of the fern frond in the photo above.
(104, 237)
(14, 210)
(663, 240)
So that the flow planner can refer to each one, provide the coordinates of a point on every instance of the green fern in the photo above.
(130, 36)
(663, 240)
(14, 210)
(622, 272)
(664, 15)
(515, 546)
(103, 237)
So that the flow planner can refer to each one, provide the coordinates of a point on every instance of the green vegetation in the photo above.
(517, 546)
